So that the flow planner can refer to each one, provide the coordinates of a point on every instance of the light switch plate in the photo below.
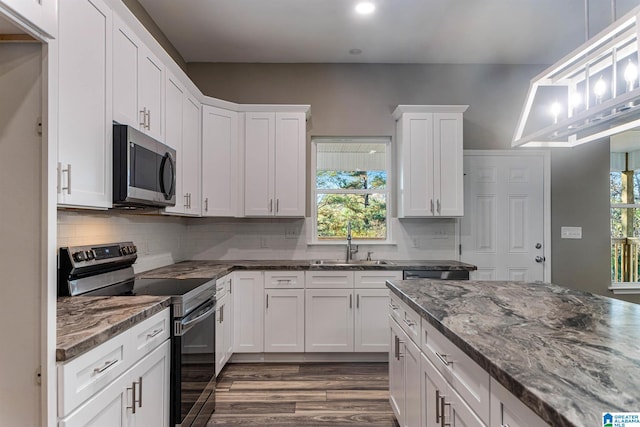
(571, 232)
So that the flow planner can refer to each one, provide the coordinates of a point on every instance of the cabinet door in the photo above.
(108, 408)
(174, 95)
(259, 164)
(151, 375)
(371, 322)
(219, 162)
(85, 104)
(434, 387)
(329, 320)
(508, 410)
(448, 169)
(220, 334)
(459, 414)
(151, 93)
(248, 313)
(284, 320)
(415, 137)
(290, 164)
(127, 51)
(227, 329)
(412, 386)
(191, 153)
(396, 371)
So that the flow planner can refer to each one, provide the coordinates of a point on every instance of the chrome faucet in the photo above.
(350, 251)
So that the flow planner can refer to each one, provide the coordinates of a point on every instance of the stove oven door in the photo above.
(193, 373)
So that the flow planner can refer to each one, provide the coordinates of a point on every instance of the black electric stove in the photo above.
(106, 270)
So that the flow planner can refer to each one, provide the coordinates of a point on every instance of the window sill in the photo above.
(343, 243)
(627, 289)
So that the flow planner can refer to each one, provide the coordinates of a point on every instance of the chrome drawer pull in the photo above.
(284, 281)
(154, 333)
(133, 397)
(442, 405)
(107, 365)
(140, 392)
(443, 358)
(409, 323)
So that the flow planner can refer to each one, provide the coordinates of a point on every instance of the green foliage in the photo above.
(367, 212)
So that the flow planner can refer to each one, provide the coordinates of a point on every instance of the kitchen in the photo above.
(366, 95)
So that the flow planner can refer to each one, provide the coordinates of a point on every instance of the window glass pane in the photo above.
(616, 223)
(636, 186)
(353, 180)
(615, 184)
(367, 213)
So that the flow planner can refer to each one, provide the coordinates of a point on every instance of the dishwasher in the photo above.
(436, 274)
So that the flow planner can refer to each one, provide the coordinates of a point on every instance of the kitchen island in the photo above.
(568, 355)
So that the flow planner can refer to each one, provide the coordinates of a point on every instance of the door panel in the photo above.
(504, 216)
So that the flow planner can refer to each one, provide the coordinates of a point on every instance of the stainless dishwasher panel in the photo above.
(436, 274)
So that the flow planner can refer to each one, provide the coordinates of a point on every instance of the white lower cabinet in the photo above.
(507, 410)
(404, 378)
(124, 382)
(329, 320)
(284, 320)
(371, 324)
(248, 316)
(224, 325)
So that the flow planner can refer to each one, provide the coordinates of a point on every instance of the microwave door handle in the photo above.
(167, 190)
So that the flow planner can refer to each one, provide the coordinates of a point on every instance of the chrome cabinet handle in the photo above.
(351, 301)
(409, 323)
(133, 397)
(107, 365)
(443, 358)
(143, 120)
(397, 347)
(148, 119)
(437, 406)
(270, 205)
(267, 300)
(206, 204)
(277, 205)
(68, 171)
(186, 200)
(358, 301)
(393, 307)
(154, 333)
(222, 314)
(442, 415)
(284, 281)
(438, 205)
(431, 205)
(139, 392)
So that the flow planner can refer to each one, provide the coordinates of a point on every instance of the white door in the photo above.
(248, 312)
(396, 371)
(151, 375)
(290, 163)
(284, 320)
(413, 401)
(191, 154)
(448, 170)
(151, 95)
(108, 408)
(259, 163)
(127, 49)
(505, 231)
(173, 137)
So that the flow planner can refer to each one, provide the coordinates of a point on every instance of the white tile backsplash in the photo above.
(163, 240)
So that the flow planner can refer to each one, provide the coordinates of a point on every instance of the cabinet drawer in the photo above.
(329, 279)
(468, 379)
(84, 376)
(150, 333)
(284, 279)
(375, 279)
(223, 286)
(406, 317)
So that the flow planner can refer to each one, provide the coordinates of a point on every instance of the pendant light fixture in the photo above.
(590, 94)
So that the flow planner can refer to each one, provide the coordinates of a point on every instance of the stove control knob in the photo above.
(124, 250)
(79, 256)
(133, 249)
(90, 255)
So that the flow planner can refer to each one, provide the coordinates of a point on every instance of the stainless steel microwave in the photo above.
(144, 170)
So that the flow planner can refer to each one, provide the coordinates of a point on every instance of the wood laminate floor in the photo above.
(314, 394)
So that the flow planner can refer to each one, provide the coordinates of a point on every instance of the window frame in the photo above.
(387, 191)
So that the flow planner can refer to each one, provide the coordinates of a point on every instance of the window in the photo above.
(624, 184)
(351, 185)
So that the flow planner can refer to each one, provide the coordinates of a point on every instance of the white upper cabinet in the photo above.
(430, 170)
(275, 159)
(138, 83)
(85, 104)
(39, 14)
(219, 162)
(182, 132)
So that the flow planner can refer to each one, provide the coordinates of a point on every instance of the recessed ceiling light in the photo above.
(365, 7)
(355, 51)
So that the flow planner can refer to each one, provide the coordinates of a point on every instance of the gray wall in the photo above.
(357, 99)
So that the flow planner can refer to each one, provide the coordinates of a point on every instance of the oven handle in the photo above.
(184, 326)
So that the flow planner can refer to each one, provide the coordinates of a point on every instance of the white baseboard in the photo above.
(307, 357)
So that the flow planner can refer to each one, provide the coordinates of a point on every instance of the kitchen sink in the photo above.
(353, 262)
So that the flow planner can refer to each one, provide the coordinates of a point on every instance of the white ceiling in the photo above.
(400, 31)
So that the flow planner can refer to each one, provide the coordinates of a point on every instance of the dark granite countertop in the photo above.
(217, 269)
(86, 322)
(568, 355)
